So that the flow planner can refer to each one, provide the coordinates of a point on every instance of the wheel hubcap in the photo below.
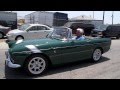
(36, 65)
(97, 54)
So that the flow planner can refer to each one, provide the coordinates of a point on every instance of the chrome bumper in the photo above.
(9, 63)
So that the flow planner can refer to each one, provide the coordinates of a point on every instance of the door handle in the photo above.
(88, 41)
(54, 48)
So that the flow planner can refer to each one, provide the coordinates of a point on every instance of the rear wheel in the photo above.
(96, 56)
(1, 35)
(36, 65)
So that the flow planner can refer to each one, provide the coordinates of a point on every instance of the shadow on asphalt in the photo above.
(20, 74)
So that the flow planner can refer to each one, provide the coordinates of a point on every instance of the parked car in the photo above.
(4, 31)
(98, 32)
(74, 25)
(29, 31)
(112, 31)
(58, 47)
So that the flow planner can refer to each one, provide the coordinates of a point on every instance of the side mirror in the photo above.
(27, 30)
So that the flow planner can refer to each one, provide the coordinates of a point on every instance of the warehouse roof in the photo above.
(82, 17)
(38, 11)
(8, 12)
(69, 24)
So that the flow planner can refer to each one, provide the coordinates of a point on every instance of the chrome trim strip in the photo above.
(70, 53)
(26, 52)
(71, 46)
(65, 47)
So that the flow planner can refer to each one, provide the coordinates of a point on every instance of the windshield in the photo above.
(60, 33)
(101, 28)
(24, 27)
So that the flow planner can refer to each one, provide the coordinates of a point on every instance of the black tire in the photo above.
(95, 59)
(118, 37)
(19, 37)
(2, 35)
(30, 60)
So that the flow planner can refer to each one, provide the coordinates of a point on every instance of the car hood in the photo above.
(15, 31)
(45, 43)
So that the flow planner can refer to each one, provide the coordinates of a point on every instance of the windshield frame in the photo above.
(26, 26)
(69, 36)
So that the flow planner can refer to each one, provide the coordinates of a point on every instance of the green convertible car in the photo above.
(59, 47)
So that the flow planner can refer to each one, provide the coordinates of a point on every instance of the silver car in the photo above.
(29, 31)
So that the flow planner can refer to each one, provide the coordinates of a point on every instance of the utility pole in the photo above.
(30, 19)
(33, 19)
(112, 16)
(103, 16)
(93, 14)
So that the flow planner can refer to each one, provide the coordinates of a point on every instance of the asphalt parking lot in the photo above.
(107, 68)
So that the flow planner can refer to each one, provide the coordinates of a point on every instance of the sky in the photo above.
(97, 15)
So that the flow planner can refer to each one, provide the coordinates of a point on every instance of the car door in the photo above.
(43, 31)
(32, 33)
(78, 50)
(70, 51)
(82, 49)
(110, 32)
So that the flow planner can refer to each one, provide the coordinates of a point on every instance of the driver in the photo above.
(79, 34)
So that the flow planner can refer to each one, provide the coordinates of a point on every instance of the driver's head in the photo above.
(79, 32)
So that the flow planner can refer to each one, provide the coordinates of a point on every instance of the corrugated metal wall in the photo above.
(8, 19)
(40, 17)
(47, 18)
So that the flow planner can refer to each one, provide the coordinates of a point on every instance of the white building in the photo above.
(47, 18)
(87, 20)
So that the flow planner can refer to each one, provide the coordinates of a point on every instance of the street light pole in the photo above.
(103, 16)
(112, 16)
(93, 14)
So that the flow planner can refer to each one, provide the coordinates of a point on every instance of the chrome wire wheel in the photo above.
(36, 65)
(97, 55)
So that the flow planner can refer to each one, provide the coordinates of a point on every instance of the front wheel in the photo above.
(1, 35)
(96, 56)
(36, 65)
(19, 38)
